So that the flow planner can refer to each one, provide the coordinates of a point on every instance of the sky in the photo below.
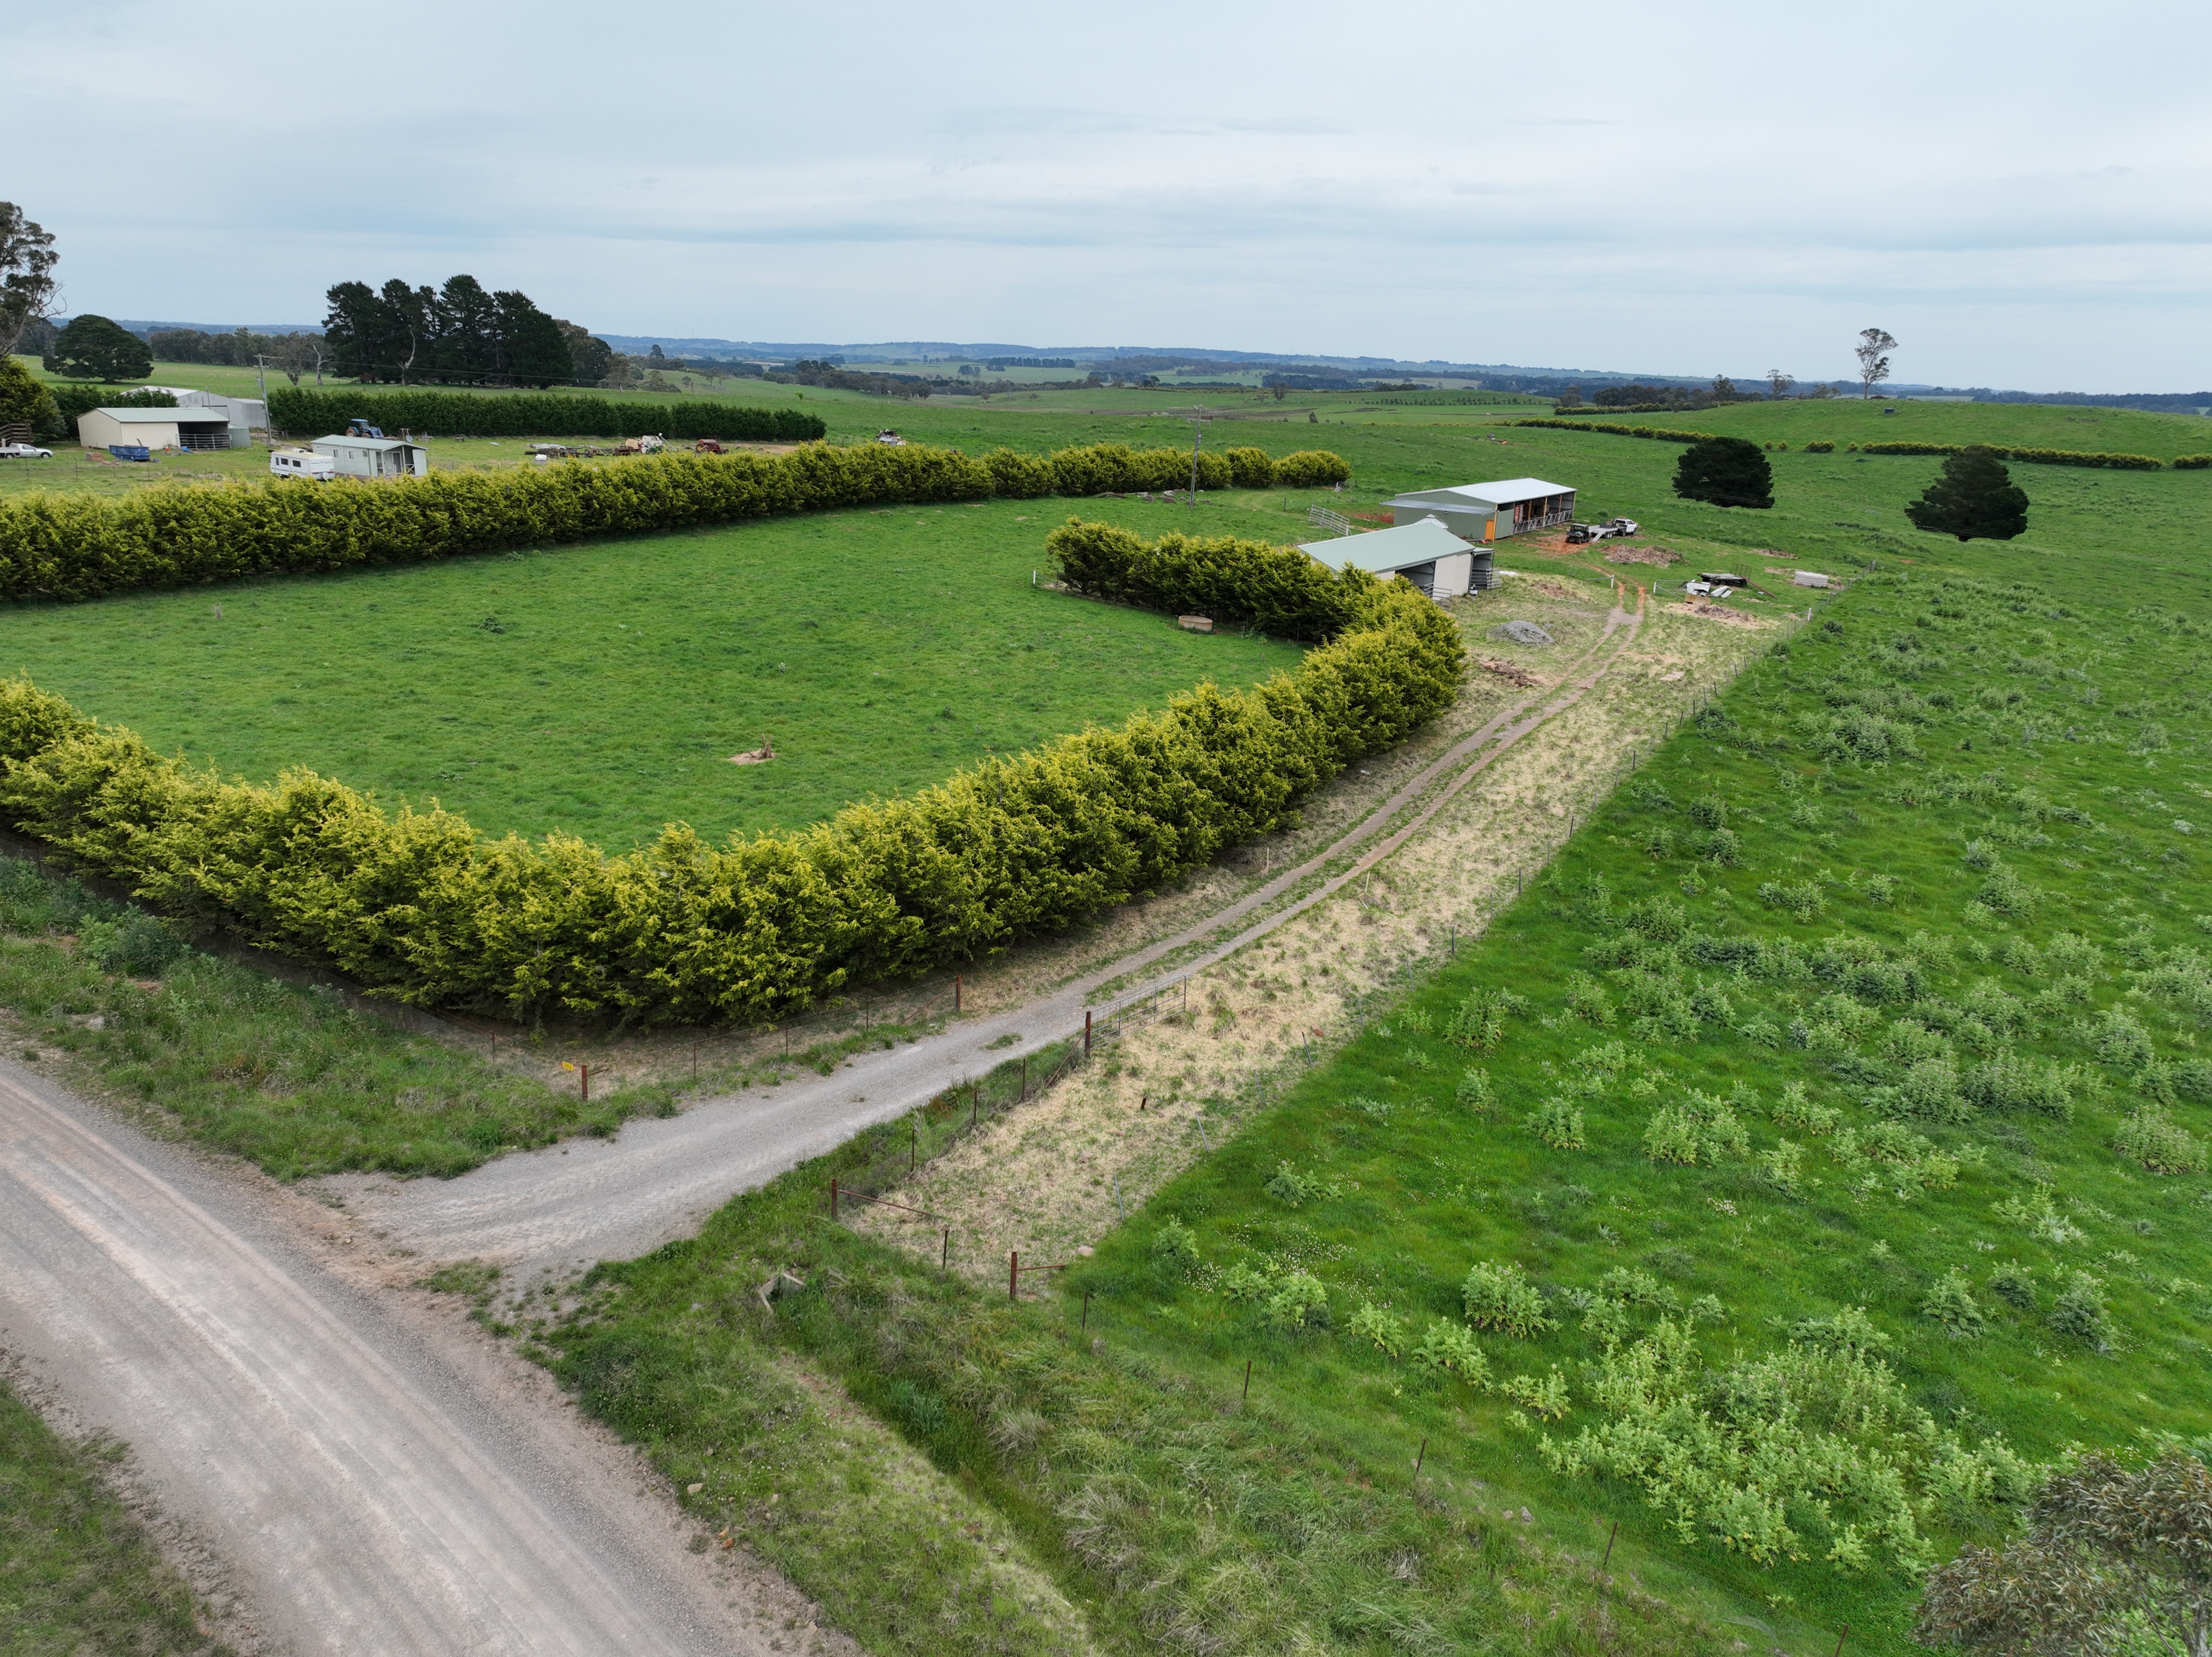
(2019, 193)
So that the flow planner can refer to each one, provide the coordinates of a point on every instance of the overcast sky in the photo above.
(2018, 192)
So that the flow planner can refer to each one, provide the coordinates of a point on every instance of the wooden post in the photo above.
(1418, 1459)
(1607, 1560)
(913, 1152)
(1840, 1639)
(956, 991)
(1025, 1079)
(945, 1260)
(1086, 1309)
(585, 1071)
(974, 1103)
(1086, 1032)
(833, 1196)
(1013, 1271)
(1247, 1379)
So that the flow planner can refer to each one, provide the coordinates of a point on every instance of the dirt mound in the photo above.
(1520, 632)
(1509, 672)
(1658, 555)
(1721, 613)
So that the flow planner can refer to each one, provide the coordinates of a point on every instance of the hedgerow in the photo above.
(1277, 590)
(423, 908)
(2033, 456)
(78, 546)
(526, 414)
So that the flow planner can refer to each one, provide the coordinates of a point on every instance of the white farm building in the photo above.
(375, 457)
(1425, 553)
(1485, 512)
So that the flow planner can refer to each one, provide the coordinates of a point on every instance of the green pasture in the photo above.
(600, 690)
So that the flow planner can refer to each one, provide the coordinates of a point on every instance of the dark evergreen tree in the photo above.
(590, 359)
(533, 349)
(1725, 471)
(95, 348)
(1972, 498)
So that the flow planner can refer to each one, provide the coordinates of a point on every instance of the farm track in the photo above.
(557, 1210)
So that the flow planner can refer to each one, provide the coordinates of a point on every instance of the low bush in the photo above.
(2033, 456)
(421, 907)
(1277, 590)
(1498, 1297)
(1820, 445)
(1251, 468)
(2149, 1135)
(1311, 468)
(535, 413)
(2192, 463)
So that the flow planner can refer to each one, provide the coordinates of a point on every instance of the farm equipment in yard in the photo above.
(362, 429)
(641, 446)
(708, 445)
(130, 451)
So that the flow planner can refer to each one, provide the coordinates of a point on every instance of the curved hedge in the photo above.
(421, 907)
(1278, 590)
(538, 413)
(2192, 463)
(72, 547)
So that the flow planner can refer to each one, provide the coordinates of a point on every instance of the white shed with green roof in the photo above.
(1425, 553)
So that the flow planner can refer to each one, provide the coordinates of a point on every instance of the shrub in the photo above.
(1174, 1246)
(1474, 1092)
(1297, 1300)
(1974, 497)
(2185, 463)
(1795, 1110)
(1950, 1301)
(1498, 1297)
(2080, 1313)
(301, 411)
(26, 400)
(1287, 1184)
(2118, 1038)
(1700, 1132)
(2014, 1285)
(1545, 1396)
(420, 908)
(1311, 468)
(1820, 445)
(1557, 1122)
(1449, 1347)
(2013, 1081)
(1478, 1023)
(1017, 477)
(1251, 468)
(1384, 1331)
(1802, 900)
(134, 943)
(2150, 1136)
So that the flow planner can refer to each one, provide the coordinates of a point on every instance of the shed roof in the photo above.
(385, 444)
(160, 416)
(1380, 551)
(1501, 492)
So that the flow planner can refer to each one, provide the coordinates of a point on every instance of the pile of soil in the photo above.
(1521, 632)
(1509, 672)
(1658, 555)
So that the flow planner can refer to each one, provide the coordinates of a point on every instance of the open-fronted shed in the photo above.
(1489, 512)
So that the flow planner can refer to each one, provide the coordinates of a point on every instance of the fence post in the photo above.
(833, 1196)
(1246, 1393)
(956, 991)
(1013, 1271)
(1607, 1560)
(945, 1260)
(1086, 1309)
(1025, 1080)
(1418, 1459)
(1086, 1032)
(913, 1152)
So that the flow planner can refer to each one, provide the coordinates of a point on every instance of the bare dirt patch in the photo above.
(1709, 612)
(1661, 557)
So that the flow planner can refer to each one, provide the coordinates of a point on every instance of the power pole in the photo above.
(1197, 430)
(261, 368)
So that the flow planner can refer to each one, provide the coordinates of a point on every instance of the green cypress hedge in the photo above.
(533, 414)
(73, 547)
(2192, 463)
(2033, 456)
(421, 907)
(1277, 590)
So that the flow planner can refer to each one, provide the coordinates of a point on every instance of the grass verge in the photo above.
(78, 1572)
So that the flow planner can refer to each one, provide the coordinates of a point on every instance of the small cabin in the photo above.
(1425, 553)
(1486, 512)
(375, 457)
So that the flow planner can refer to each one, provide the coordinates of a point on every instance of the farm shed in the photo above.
(1488, 512)
(156, 429)
(375, 457)
(244, 413)
(1425, 553)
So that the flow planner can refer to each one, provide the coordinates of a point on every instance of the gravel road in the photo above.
(367, 1490)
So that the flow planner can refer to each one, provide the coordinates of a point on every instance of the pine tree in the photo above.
(1973, 497)
(1725, 471)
